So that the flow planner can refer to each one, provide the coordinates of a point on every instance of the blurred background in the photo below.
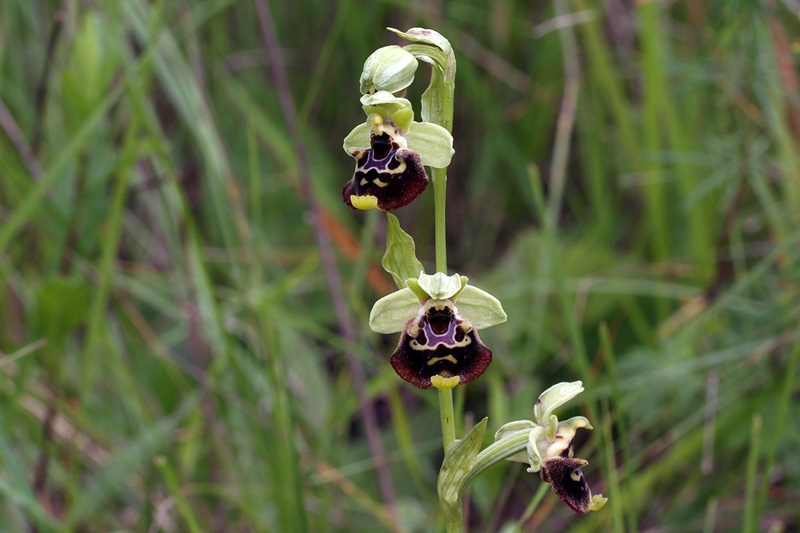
(184, 296)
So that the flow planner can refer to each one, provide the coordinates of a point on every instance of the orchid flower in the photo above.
(439, 317)
(548, 450)
(391, 150)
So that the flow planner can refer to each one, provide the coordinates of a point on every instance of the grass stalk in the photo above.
(750, 520)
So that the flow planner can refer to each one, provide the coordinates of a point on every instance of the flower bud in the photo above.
(390, 68)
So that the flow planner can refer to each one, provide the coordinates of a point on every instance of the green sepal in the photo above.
(433, 143)
(515, 429)
(440, 286)
(358, 138)
(554, 397)
(390, 68)
(390, 313)
(480, 307)
(400, 259)
(456, 467)
(535, 459)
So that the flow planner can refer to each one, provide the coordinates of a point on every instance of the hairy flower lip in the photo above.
(565, 476)
(428, 350)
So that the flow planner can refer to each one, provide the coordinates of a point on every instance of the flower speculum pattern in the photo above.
(439, 345)
(388, 175)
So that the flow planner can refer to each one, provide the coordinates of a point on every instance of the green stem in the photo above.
(439, 200)
(454, 525)
(448, 420)
(437, 108)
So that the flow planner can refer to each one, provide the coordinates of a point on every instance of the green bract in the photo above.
(400, 259)
(390, 313)
(454, 476)
(390, 68)
(428, 37)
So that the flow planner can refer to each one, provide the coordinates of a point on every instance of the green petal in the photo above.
(390, 313)
(433, 143)
(384, 103)
(563, 435)
(357, 138)
(413, 284)
(385, 98)
(440, 286)
(403, 118)
(480, 307)
(574, 423)
(464, 280)
(555, 396)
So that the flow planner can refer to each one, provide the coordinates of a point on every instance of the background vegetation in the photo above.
(170, 355)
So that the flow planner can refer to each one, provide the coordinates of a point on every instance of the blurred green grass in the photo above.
(170, 358)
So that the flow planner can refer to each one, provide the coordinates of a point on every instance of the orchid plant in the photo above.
(438, 316)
